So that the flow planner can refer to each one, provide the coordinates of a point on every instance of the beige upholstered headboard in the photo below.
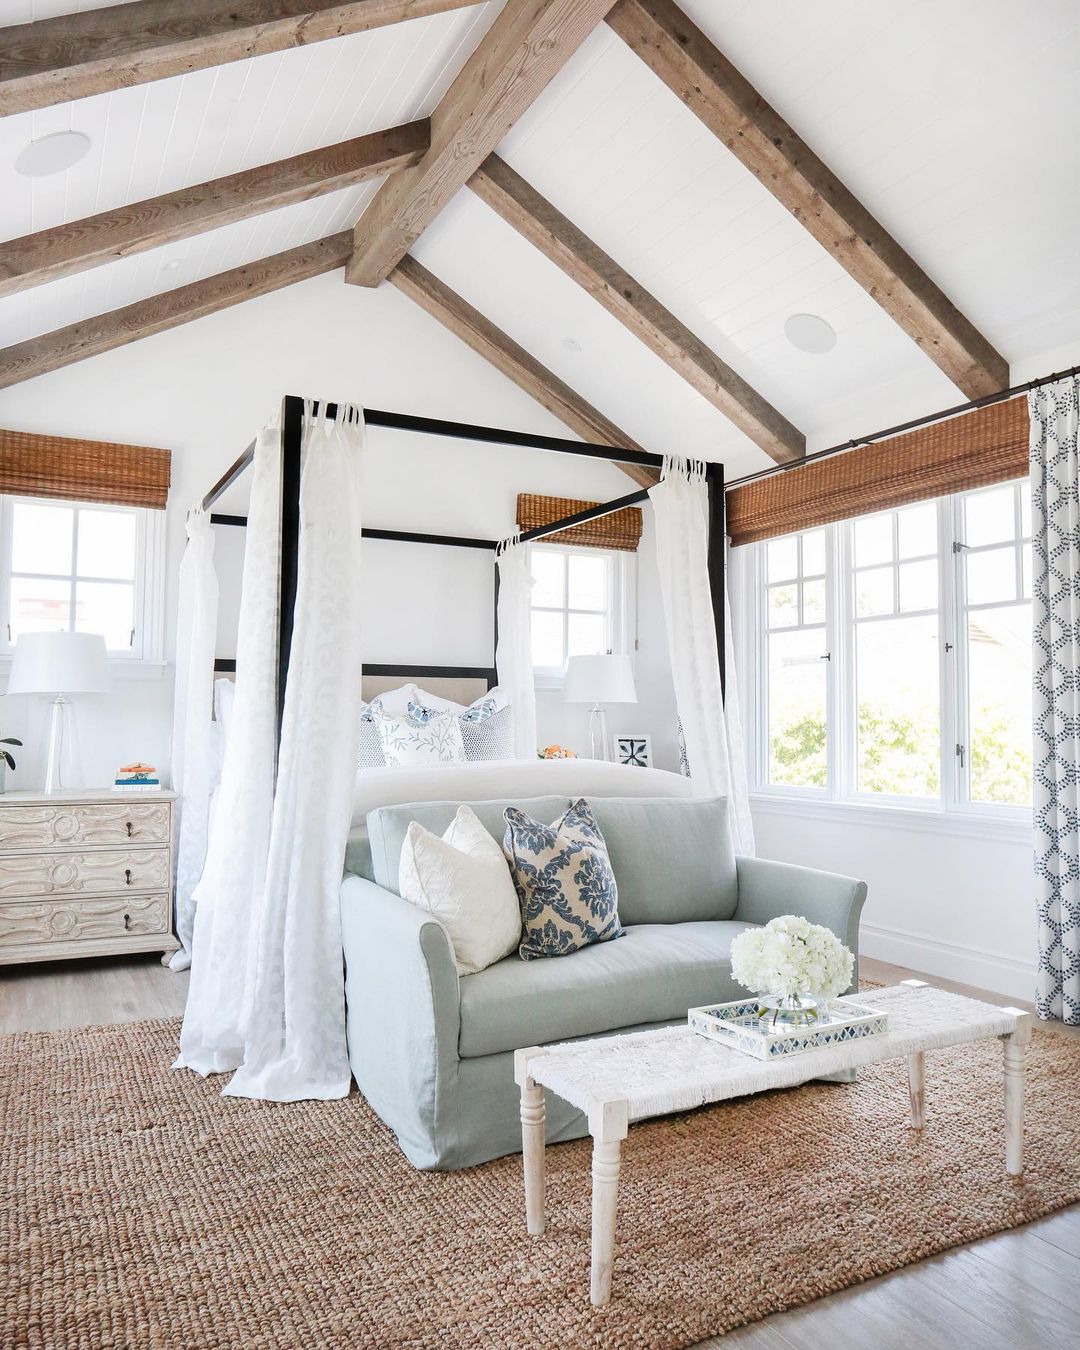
(463, 691)
(459, 690)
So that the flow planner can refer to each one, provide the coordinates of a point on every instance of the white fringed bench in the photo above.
(651, 1073)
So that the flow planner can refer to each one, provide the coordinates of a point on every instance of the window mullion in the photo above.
(845, 657)
(952, 657)
(73, 579)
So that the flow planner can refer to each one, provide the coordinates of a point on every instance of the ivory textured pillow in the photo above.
(564, 882)
(462, 879)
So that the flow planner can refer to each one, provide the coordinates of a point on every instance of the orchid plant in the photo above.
(6, 756)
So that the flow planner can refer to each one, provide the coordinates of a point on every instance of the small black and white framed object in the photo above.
(634, 750)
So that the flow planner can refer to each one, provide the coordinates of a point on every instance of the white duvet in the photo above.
(499, 779)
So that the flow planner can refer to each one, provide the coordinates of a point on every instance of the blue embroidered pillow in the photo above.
(564, 882)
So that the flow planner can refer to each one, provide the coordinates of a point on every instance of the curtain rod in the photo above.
(987, 400)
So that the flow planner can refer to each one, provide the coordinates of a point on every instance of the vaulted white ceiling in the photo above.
(954, 124)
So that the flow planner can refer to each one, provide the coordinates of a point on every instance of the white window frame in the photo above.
(620, 611)
(760, 626)
(147, 654)
(954, 809)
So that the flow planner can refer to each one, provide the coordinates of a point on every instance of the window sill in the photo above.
(1009, 828)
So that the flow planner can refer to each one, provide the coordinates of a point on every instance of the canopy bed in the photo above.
(292, 415)
(258, 882)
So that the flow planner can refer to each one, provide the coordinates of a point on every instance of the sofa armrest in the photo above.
(402, 1006)
(768, 889)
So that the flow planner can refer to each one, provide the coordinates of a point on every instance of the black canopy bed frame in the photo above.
(292, 421)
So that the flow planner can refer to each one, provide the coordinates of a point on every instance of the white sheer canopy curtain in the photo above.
(294, 1018)
(711, 727)
(513, 654)
(194, 747)
(1055, 528)
(267, 993)
(229, 893)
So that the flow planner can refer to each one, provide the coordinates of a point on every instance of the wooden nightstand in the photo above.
(85, 874)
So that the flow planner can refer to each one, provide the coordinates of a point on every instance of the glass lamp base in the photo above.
(598, 737)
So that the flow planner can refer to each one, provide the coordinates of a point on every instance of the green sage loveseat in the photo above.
(433, 1052)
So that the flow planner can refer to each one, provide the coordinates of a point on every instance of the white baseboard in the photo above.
(966, 965)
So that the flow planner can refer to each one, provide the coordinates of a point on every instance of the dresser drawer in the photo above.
(61, 826)
(23, 875)
(48, 921)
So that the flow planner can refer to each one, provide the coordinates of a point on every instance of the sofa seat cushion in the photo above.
(652, 974)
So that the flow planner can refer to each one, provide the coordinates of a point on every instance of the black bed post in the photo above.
(292, 434)
(493, 678)
(717, 539)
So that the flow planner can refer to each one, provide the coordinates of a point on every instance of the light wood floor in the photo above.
(1017, 1291)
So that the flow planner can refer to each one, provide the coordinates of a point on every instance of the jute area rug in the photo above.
(139, 1207)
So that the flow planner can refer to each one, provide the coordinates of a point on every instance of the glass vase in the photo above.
(798, 1010)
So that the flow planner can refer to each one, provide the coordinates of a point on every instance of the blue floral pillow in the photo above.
(564, 882)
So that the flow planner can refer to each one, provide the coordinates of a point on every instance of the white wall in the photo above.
(946, 898)
(202, 391)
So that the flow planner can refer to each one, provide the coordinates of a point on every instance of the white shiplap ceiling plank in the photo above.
(711, 243)
(955, 124)
(478, 255)
(153, 138)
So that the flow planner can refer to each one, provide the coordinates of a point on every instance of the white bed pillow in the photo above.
(464, 881)
(481, 707)
(407, 740)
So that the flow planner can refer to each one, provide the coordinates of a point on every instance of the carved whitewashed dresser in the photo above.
(85, 874)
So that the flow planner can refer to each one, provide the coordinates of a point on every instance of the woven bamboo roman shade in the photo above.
(83, 471)
(987, 446)
(622, 529)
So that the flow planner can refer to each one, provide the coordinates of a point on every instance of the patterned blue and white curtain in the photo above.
(1055, 498)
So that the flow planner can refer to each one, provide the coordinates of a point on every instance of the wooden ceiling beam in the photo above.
(544, 226)
(711, 87)
(75, 55)
(490, 342)
(525, 48)
(103, 332)
(125, 230)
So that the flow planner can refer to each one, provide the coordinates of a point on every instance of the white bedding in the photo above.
(490, 780)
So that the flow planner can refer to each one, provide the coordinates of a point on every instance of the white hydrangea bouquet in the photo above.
(792, 965)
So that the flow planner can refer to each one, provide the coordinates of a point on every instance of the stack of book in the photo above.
(136, 778)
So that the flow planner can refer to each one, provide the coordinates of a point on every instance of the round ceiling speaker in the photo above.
(51, 154)
(810, 333)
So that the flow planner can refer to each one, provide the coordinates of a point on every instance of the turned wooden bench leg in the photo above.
(532, 1139)
(916, 1069)
(1015, 1048)
(608, 1122)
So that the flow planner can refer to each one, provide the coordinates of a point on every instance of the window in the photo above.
(994, 548)
(896, 626)
(893, 655)
(797, 652)
(582, 604)
(83, 567)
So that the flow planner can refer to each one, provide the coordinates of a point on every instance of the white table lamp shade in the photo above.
(60, 663)
(599, 679)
